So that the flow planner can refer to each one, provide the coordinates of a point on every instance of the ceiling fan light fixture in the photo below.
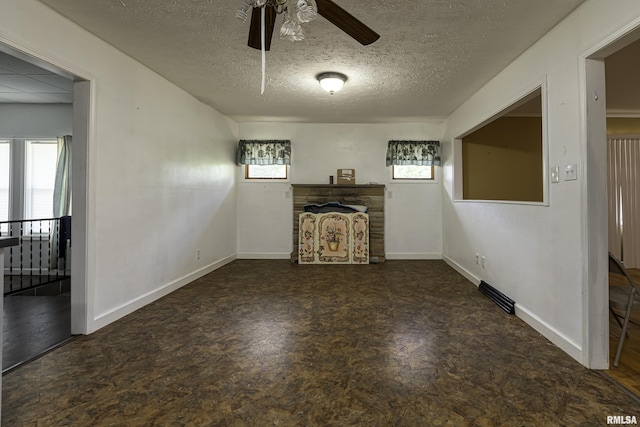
(291, 30)
(332, 82)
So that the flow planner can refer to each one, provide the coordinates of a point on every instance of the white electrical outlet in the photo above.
(571, 172)
(197, 253)
(555, 174)
(483, 262)
(477, 259)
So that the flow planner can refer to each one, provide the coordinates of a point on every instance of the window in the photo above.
(40, 174)
(412, 172)
(27, 180)
(413, 160)
(5, 164)
(265, 172)
(264, 159)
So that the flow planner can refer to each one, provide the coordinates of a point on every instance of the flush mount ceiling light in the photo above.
(331, 82)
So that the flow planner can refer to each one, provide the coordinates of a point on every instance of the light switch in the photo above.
(571, 172)
(555, 174)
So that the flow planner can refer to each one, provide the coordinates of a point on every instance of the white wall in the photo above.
(535, 253)
(35, 120)
(412, 215)
(161, 172)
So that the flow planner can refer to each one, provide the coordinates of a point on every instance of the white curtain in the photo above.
(624, 199)
(61, 205)
(62, 188)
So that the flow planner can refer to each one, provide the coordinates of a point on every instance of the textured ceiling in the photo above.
(431, 56)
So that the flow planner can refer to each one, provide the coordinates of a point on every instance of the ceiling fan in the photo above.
(296, 12)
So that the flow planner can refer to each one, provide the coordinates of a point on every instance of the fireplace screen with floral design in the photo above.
(334, 238)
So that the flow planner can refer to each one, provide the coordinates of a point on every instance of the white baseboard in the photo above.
(111, 316)
(460, 269)
(549, 332)
(527, 316)
(264, 255)
(412, 255)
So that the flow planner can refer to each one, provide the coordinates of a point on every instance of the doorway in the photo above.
(623, 145)
(72, 311)
(604, 76)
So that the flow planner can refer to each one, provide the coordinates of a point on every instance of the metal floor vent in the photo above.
(503, 301)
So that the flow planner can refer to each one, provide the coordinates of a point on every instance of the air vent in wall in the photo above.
(503, 301)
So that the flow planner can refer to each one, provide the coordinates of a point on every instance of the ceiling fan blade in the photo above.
(254, 31)
(346, 22)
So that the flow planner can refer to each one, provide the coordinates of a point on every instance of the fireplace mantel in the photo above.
(371, 196)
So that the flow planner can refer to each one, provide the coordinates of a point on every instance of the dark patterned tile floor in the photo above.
(258, 343)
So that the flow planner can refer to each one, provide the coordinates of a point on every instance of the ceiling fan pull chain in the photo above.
(262, 43)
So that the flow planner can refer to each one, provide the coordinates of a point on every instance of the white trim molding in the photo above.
(412, 255)
(460, 269)
(264, 255)
(531, 319)
(111, 316)
(567, 345)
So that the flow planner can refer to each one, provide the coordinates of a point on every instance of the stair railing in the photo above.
(42, 255)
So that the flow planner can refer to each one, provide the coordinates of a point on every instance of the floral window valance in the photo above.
(264, 152)
(421, 153)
